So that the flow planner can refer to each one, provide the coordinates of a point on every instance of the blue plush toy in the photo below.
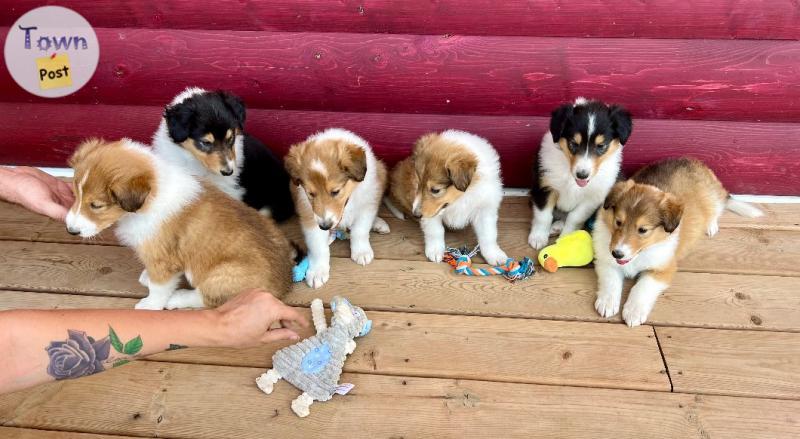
(299, 271)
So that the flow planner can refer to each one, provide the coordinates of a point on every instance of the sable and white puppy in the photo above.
(647, 224)
(579, 161)
(177, 225)
(337, 183)
(452, 179)
(203, 132)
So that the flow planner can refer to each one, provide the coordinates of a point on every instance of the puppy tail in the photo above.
(393, 209)
(743, 209)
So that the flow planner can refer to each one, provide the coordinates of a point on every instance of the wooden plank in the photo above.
(539, 352)
(656, 78)
(694, 299)
(764, 364)
(29, 433)
(761, 161)
(664, 19)
(183, 401)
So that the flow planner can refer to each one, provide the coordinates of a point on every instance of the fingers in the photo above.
(274, 335)
(51, 209)
(288, 314)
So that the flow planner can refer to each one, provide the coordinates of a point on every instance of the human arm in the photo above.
(36, 190)
(46, 345)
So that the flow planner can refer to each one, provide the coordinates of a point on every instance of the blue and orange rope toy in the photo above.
(461, 260)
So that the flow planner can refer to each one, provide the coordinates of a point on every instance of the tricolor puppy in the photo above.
(177, 225)
(337, 184)
(453, 179)
(579, 161)
(203, 132)
(647, 224)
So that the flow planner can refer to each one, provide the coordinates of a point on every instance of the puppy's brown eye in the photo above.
(335, 193)
(311, 195)
(95, 205)
(601, 149)
(642, 230)
(573, 147)
(435, 191)
(618, 223)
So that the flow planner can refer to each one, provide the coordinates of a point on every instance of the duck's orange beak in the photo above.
(550, 264)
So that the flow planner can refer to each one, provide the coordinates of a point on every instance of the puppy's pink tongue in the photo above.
(581, 183)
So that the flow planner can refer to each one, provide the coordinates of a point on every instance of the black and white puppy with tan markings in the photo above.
(578, 163)
(203, 132)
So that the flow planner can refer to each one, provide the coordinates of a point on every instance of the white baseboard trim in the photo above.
(520, 192)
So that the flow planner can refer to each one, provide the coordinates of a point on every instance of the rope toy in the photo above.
(461, 260)
(299, 271)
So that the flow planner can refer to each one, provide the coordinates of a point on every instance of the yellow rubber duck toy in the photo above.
(572, 250)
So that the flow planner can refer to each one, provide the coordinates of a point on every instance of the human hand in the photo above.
(246, 319)
(37, 191)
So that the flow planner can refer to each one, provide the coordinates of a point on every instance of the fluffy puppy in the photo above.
(202, 132)
(453, 179)
(579, 161)
(177, 225)
(403, 183)
(337, 183)
(647, 224)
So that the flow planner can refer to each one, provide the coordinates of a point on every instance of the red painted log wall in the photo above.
(746, 19)
(716, 80)
(749, 157)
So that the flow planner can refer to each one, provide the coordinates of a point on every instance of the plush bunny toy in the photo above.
(315, 364)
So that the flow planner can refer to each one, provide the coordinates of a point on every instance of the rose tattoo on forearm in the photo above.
(81, 355)
(77, 356)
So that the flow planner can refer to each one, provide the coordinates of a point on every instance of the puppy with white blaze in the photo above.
(337, 184)
(578, 163)
(647, 224)
(452, 179)
(178, 225)
(203, 132)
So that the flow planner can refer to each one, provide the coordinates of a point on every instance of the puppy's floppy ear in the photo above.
(671, 211)
(353, 160)
(621, 122)
(130, 193)
(616, 193)
(83, 150)
(179, 119)
(235, 104)
(292, 163)
(558, 120)
(460, 170)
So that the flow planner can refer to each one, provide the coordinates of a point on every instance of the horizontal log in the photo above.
(656, 78)
(755, 19)
(753, 158)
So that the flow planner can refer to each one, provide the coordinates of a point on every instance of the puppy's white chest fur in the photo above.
(558, 176)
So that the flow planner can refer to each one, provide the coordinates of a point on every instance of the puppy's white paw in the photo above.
(494, 256)
(150, 304)
(556, 227)
(144, 279)
(380, 226)
(435, 252)
(635, 313)
(318, 276)
(607, 304)
(185, 299)
(362, 255)
(538, 240)
(713, 228)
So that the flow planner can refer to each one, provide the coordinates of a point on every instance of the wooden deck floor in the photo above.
(449, 356)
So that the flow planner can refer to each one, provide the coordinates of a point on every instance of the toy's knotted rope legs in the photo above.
(461, 260)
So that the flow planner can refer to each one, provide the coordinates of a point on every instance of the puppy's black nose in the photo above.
(226, 172)
(73, 231)
(617, 254)
(417, 215)
(583, 175)
(326, 226)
